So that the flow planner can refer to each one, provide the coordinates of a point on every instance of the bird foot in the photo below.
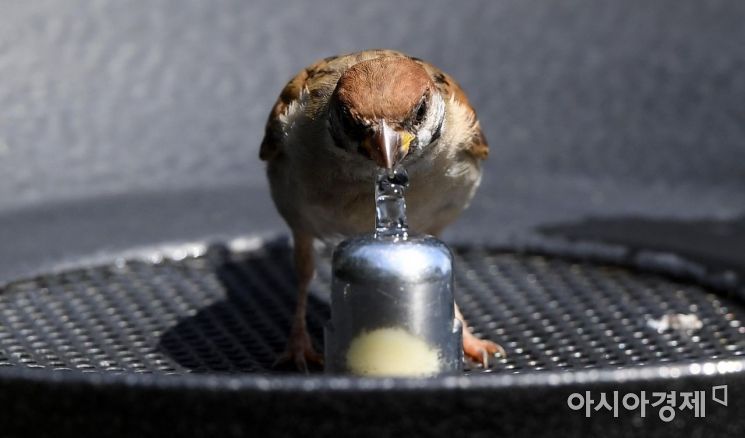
(480, 350)
(299, 352)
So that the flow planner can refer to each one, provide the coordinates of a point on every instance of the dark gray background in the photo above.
(125, 124)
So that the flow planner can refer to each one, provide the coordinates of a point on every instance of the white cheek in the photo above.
(434, 117)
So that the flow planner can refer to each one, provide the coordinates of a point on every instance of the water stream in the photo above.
(390, 205)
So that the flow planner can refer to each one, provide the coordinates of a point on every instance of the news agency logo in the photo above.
(666, 402)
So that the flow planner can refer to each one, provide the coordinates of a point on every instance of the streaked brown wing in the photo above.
(273, 132)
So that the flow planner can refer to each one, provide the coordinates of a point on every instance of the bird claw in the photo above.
(300, 353)
(299, 360)
(481, 350)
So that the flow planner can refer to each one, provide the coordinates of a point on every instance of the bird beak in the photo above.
(386, 146)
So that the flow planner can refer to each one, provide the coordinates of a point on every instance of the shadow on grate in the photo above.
(229, 312)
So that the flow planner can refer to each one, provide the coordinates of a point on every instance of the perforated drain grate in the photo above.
(229, 312)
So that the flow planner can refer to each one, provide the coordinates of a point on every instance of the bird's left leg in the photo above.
(475, 348)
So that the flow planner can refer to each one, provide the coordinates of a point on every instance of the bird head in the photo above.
(386, 109)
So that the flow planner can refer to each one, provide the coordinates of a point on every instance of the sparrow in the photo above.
(339, 120)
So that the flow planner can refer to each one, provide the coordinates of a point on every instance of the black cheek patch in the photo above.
(364, 152)
(436, 134)
(336, 134)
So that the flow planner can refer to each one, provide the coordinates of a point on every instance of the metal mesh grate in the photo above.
(229, 312)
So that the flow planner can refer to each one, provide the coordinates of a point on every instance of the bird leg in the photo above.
(299, 349)
(474, 348)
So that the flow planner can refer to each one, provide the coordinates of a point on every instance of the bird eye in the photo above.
(421, 111)
(350, 126)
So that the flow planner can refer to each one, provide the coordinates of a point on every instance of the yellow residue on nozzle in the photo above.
(392, 352)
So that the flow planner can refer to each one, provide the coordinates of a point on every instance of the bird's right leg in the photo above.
(299, 349)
